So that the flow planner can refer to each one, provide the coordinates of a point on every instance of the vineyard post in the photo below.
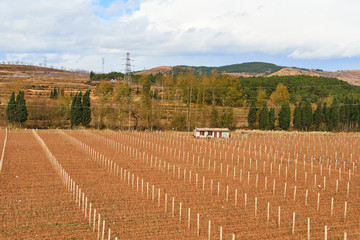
(165, 202)
(255, 206)
(294, 193)
(180, 212)
(90, 214)
(236, 193)
(279, 217)
(221, 233)
(227, 193)
(188, 218)
(94, 220)
(245, 200)
(173, 208)
(274, 185)
(109, 235)
(103, 230)
(293, 224)
(325, 233)
(203, 184)
(318, 202)
(209, 230)
(152, 193)
(86, 207)
(332, 207)
(159, 197)
(306, 196)
(265, 184)
(198, 224)
(345, 210)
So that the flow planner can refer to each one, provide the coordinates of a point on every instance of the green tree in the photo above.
(86, 109)
(306, 115)
(297, 117)
(252, 115)
(21, 109)
(11, 109)
(334, 113)
(272, 119)
(264, 117)
(317, 117)
(227, 118)
(326, 117)
(76, 110)
(285, 116)
(72, 111)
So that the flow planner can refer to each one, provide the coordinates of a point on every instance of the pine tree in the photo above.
(326, 117)
(264, 117)
(317, 117)
(156, 94)
(252, 115)
(73, 111)
(285, 116)
(11, 109)
(306, 116)
(272, 119)
(297, 117)
(78, 110)
(86, 109)
(21, 110)
(334, 114)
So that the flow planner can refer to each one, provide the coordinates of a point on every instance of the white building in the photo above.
(212, 132)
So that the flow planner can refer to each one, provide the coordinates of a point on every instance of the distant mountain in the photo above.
(249, 68)
(261, 69)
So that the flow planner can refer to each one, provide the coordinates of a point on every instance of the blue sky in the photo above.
(77, 34)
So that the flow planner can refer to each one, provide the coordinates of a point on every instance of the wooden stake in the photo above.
(325, 232)
(255, 206)
(293, 224)
(332, 207)
(209, 230)
(279, 217)
(198, 225)
(188, 218)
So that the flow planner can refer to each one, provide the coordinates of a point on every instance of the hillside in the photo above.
(249, 69)
(37, 82)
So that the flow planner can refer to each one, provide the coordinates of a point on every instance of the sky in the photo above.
(78, 34)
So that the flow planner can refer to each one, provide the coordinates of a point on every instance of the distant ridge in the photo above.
(249, 68)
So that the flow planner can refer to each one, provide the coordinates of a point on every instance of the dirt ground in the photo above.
(229, 183)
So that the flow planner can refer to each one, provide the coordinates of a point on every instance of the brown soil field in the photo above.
(144, 183)
(33, 202)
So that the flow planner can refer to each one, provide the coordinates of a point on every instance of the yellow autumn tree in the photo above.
(280, 95)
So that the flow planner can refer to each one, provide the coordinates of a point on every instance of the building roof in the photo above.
(213, 129)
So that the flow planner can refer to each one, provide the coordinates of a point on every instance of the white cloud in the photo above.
(167, 29)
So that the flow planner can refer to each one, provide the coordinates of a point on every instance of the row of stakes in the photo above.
(130, 178)
(77, 194)
(111, 143)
